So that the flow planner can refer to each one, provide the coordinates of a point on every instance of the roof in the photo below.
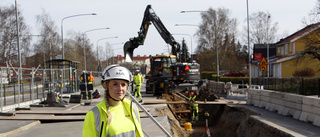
(295, 36)
(62, 60)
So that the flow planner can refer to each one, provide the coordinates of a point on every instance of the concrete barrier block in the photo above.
(316, 102)
(277, 95)
(272, 107)
(267, 106)
(254, 91)
(316, 122)
(285, 111)
(261, 104)
(256, 103)
(296, 114)
(279, 109)
(293, 98)
(307, 100)
(293, 105)
(265, 98)
(266, 92)
(311, 117)
(277, 101)
(311, 109)
(255, 97)
(303, 116)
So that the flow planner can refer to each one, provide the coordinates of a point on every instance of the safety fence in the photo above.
(36, 83)
(296, 85)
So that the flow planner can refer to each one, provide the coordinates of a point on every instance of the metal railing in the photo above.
(295, 85)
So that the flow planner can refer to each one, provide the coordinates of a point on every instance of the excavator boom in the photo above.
(150, 16)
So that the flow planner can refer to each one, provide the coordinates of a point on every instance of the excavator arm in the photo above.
(150, 16)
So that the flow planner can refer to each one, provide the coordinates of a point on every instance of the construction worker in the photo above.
(137, 82)
(115, 115)
(90, 83)
(193, 107)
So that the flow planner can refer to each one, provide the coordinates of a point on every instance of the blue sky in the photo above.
(124, 17)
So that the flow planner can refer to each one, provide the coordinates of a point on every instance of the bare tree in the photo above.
(8, 31)
(48, 45)
(262, 30)
(74, 50)
(313, 16)
(312, 40)
(217, 31)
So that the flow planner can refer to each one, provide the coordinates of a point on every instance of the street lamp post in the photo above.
(268, 66)
(248, 44)
(62, 83)
(62, 28)
(84, 51)
(98, 46)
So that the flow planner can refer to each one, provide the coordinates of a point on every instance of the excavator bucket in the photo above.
(128, 51)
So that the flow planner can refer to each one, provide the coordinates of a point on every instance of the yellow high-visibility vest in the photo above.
(129, 120)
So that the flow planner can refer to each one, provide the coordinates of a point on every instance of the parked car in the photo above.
(234, 74)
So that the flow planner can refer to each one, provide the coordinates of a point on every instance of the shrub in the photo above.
(305, 72)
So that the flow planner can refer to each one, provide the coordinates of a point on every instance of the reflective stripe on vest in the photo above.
(134, 106)
(125, 134)
(97, 117)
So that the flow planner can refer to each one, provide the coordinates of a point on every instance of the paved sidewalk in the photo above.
(34, 128)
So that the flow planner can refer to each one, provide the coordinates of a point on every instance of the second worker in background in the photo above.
(137, 82)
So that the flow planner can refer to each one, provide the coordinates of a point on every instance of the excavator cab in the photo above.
(161, 66)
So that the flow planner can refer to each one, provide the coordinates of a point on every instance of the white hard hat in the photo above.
(116, 72)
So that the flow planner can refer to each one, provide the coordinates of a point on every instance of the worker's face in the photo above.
(117, 88)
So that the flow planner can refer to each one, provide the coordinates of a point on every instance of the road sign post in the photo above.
(263, 64)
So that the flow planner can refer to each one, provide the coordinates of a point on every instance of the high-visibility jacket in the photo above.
(95, 122)
(137, 79)
(91, 79)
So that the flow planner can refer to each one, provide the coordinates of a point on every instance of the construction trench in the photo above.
(224, 120)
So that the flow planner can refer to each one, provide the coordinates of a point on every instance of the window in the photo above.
(293, 48)
(286, 49)
(290, 47)
(279, 49)
(282, 50)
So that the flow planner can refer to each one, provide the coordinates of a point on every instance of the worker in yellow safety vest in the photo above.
(91, 80)
(115, 115)
(137, 82)
(194, 107)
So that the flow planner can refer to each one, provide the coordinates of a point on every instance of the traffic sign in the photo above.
(263, 62)
(263, 67)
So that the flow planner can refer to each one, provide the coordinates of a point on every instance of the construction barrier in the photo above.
(303, 108)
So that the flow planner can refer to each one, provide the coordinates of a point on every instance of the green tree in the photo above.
(185, 55)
